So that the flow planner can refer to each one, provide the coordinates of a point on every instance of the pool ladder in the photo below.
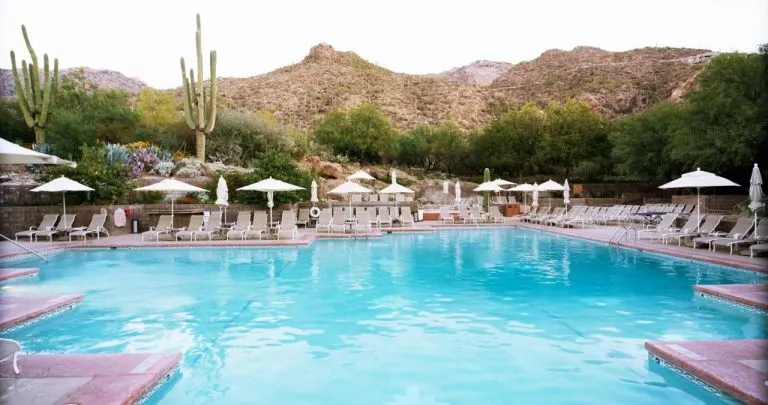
(623, 232)
(23, 247)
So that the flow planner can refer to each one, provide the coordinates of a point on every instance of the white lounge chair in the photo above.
(10, 349)
(739, 231)
(48, 222)
(303, 218)
(667, 223)
(211, 227)
(690, 226)
(324, 221)
(95, 227)
(445, 215)
(164, 223)
(494, 215)
(242, 224)
(363, 223)
(759, 248)
(287, 227)
(760, 235)
(63, 227)
(406, 217)
(339, 224)
(259, 226)
(195, 224)
(384, 218)
(707, 228)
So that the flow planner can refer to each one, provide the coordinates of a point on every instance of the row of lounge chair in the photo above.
(362, 219)
(246, 225)
(49, 228)
(705, 234)
(471, 215)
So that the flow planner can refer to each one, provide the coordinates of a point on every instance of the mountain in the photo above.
(104, 78)
(327, 79)
(613, 83)
(481, 72)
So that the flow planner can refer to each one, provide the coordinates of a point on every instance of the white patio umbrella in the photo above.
(349, 187)
(488, 186)
(396, 189)
(457, 191)
(313, 198)
(523, 188)
(535, 197)
(222, 196)
(172, 185)
(360, 175)
(62, 185)
(550, 185)
(756, 193)
(502, 182)
(12, 154)
(697, 180)
(566, 195)
(269, 186)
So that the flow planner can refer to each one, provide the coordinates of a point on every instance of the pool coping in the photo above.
(739, 294)
(9, 274)
(42, 307)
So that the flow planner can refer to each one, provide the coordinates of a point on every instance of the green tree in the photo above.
(363, 134)
(157, 110)
(12, 125)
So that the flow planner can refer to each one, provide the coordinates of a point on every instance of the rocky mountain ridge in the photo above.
(480, 72)
(105, 78)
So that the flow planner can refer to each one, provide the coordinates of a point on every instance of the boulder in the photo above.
(331, 171)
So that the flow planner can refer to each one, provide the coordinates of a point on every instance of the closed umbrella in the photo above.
(566, 195)
(172, 185)
(446, 190)
(394, 176)
(698, 179)
(12, 154)
(535, 197)
(313, 198)
(349, 187)
(222, 195)
(269, 186)
(62, 185)
(457, 192)
(756, 193)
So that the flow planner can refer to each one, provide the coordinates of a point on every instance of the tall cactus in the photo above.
(486, 194)
(35, 104)
(199, 111)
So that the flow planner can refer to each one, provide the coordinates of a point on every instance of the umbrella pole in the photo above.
(698, 209)
(172, 218)
(64, 204)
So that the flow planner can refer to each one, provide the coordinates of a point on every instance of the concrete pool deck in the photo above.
(18, 310)
(103, 379)
(10, 274)
(753, 295)
(736, 367)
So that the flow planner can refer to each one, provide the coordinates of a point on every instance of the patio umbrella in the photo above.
(446, 188)
(313, 198)
(523, 188)
(697, 180)
(269, 186)
(550, 185)
(360, 175)
(457, 191)
(349, 187)
(488, 186)
(222, 196)
(12, 154)
(396, 189)
(502, 182)
(535, 197)
(172, 185)
(756, 193)
(62, 185)
(566, 195)
(394, 176)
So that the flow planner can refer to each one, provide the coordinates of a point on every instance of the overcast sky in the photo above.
(145, 39)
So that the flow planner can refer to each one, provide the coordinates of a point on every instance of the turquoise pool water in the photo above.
(455, 317)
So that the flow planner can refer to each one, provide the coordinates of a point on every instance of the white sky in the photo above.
(145, 39)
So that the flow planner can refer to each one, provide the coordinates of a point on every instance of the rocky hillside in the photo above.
(101, 77)
(327, 79)
(481, 72)
(614, 83)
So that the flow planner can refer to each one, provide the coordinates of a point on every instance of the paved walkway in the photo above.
(736, 367)
(754, 295)
(104, 379)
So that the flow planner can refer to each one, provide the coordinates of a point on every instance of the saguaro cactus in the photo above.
(486, 194)
(199, 111)
(35, 104)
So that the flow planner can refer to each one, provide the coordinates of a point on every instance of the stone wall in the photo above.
(719, 204)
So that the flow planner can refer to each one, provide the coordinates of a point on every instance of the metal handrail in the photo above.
(626, 231)
(24, 247)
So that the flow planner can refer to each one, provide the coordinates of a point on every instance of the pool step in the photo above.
(17, 310)
(738, 368)
(11, 273)
(753, 295)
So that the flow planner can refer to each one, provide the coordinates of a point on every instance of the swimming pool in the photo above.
(488, 316)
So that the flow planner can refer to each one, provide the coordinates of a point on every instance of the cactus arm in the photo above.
(200, 101)
(210, 117)
(47, 92)
(55, 83)
(187, 101)
(34, 71)
(23, 105)
(27, 84)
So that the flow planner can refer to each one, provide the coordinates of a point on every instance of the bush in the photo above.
(363, 134)
(148, 197)
(163, 168)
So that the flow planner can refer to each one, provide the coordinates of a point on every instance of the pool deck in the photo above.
(18, 310)
(753, 295)
(103, 379)
(10, 274)
(736, 367)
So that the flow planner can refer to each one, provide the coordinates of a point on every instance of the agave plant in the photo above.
(160, 153)
(116, 153)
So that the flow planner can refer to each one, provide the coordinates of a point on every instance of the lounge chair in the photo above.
(303, 218)
(339, 223)
(384, 217)
(667, 223)
(288, 227)
(259, 226)
(212, 226)
(195, 224)
(48, 222)
(494, 215)
(690, 226)
(363, 223)
(9, 349)
(445, 215)
(95, 227)
(759, 235)
(242, 224)
(324, 221)
(759, 248)
(288, 216)
(707, 228)
(406, 218)
(63, 227)
(163, 226)
(739, 231)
